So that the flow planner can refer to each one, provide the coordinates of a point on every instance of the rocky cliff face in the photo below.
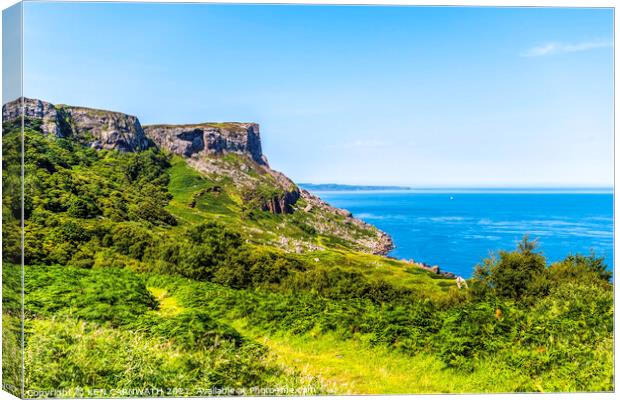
(199, 143)
(283, 202)
(98, 128)
(110, 130)
(32, 108)
(209, 138)
(379, 243)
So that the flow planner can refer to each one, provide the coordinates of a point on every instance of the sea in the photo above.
(457, 229)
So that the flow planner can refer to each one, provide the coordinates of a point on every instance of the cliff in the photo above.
(209, 138)
(100, 129)
(204, 144)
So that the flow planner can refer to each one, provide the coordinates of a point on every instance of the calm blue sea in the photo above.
(457, 229)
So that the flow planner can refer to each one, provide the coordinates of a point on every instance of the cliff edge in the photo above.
(100, 129)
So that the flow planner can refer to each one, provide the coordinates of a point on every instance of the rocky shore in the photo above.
(432, 268)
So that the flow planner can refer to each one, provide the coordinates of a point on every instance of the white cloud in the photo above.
(559, 48)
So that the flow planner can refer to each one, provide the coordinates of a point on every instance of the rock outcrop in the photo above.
(379, 243)
(100, 129)
(110, 130)
(282, 204)
(209, 138)
(51, 118)
(431, 268)
(198, 143)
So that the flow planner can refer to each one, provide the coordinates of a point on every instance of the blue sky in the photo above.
(359, 95)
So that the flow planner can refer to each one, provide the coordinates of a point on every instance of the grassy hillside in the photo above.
(198, 197)
(144, 274)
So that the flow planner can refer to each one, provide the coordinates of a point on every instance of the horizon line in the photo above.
(431, 187)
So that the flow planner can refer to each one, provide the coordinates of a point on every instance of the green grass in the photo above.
(81, 336)
(184, 183)
(72, 358)
(312, 335)
(12, 354)
(168, 306)
(351, 367)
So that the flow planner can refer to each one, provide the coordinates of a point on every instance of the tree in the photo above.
(581, 268)
(514, 274)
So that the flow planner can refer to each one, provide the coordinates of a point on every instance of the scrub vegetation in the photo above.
(141, 276)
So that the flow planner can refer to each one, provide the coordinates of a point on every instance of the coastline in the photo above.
(456, 231)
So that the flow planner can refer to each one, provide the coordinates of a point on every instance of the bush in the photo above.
(471, 331)
(514, 275)
(113, 296)
(580, 268)
(212, 252)
(71, 356)
(191, 330)
(130, 239)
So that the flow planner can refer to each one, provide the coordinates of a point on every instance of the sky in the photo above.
(11, 53)
(419, 96)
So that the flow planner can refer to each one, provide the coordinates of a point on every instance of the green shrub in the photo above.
(191, 329)
(113, 296)
(473, 330)
(514, 274)
(580, 268)
(73, 357)
(130, 239)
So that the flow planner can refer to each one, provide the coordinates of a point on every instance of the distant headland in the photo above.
(338, 187)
